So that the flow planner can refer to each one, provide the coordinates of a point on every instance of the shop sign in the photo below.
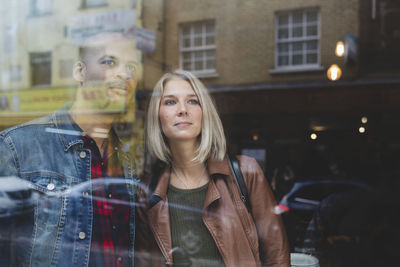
(145, 39)
(87, 25)
(34, 101)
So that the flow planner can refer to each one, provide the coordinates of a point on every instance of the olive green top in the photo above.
(191, 242)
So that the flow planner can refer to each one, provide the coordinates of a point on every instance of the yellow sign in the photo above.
(32, 102)
(35, 102)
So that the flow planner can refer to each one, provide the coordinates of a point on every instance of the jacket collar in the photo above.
(214, 167)
(158, 212)
(69, 132)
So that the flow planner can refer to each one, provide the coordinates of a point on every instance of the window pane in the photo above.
(312, 45)
(210, 64)
(198, 55)
(298, 47)
(302, 23)
(95, 2)
(198, 41)
(186, 56)
(297, 31)
(210, 27)
(297, 59)
(201, 34)
(312, 30)
(43, 6)
(185, 30)
(198, 65)
(312, 16)
(210, 40)
(41, 68)
(298, 17)
(312, 58)
(187, 66)
(210, 54)
(283, 60)
(283, 20)
(283, 33)
(186, 42)
(283, 48)
(198, 28)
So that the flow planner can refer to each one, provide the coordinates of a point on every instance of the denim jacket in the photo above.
(48, 153)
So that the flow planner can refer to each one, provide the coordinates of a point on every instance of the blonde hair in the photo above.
(212, 139)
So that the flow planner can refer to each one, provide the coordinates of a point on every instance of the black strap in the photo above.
(239, 180)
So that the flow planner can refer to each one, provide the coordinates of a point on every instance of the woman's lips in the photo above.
(184, 123)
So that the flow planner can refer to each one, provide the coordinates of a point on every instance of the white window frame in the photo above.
(290, 40)
(203, 72)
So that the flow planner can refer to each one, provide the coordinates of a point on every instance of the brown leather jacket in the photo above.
(242, 239)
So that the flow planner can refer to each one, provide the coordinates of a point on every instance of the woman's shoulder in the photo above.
(248, 164)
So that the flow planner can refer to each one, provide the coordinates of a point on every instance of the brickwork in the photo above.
(245, 36)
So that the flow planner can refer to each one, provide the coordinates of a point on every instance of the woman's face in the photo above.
(180, 111)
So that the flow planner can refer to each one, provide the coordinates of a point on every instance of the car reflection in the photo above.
(16, 197)
(319, 215)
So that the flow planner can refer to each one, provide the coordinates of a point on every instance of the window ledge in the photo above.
(296, 69)
(37, 15)
(93, 6)
(205, 74)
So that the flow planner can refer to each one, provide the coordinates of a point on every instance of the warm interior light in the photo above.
(334, 73)
(339, 51)
(313, 136)
(361, 129)
(364, 119)
(255, 137)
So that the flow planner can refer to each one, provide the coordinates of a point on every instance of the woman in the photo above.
(195, 217)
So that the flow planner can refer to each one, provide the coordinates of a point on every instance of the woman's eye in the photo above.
(169, 102)
(194, 101)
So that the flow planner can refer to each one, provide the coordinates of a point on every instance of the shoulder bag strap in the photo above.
(239, 180)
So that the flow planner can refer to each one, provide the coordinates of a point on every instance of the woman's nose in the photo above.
(182, 110)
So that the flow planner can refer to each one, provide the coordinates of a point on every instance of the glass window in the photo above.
(297, 30)
(308, 90)
(41, 68)
(41, 7)
(198, 39)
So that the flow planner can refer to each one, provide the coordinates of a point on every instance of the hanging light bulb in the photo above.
(313, 136)
(255, 137)
(334, 72)
(364, 120)
(339, 51)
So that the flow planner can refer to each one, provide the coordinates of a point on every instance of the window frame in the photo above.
(34, 11)
(204, 72)
(85, 4)
(290, 40)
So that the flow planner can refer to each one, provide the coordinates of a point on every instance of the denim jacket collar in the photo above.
(69, 132)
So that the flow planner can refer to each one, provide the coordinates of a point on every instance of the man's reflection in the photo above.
(65, 151)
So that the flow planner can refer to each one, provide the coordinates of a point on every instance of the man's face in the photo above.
(110, 78)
